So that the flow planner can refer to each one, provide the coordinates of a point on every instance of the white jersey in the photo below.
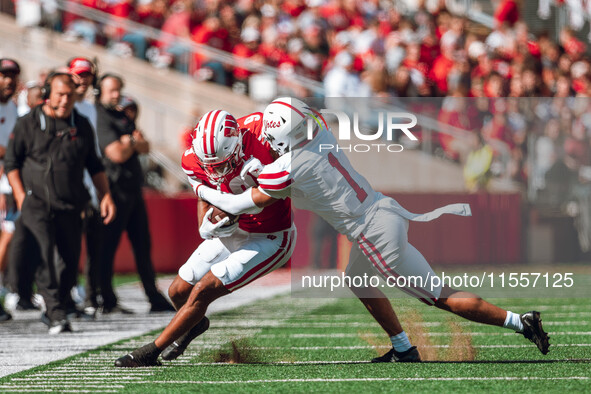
(326, 183)
(322, 182)
(8, 116)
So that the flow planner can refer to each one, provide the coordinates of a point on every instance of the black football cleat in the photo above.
(533, 330)
(410, 356)
(145, 356)
(129, 361)
(179, 346)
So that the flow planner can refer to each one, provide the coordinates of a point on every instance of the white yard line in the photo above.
(31, 384)
(322, 380)
(361, 347)
(431, 334)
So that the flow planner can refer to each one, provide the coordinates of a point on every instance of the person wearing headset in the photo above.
(45, 160)
(121, 143)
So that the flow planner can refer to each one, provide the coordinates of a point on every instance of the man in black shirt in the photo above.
(120, 143)
(48, 151)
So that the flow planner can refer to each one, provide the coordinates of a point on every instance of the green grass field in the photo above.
(313, 345)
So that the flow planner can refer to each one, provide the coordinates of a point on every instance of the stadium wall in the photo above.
(492, 235)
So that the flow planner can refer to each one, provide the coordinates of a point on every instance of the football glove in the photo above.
(253, 166)
(209, 230)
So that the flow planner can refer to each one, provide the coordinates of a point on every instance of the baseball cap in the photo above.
(9, 65)
(80, 65)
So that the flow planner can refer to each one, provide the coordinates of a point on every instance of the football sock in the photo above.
(513, 322)
(147, 352)
(400, 342)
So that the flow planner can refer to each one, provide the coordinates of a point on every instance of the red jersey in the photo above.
(273, 218)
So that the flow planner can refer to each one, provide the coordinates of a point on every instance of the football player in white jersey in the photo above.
(325, 183)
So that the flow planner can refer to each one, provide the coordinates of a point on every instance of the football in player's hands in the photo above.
(218, 215)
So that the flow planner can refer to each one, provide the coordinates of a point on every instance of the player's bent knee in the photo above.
(208, 289)
(179, 291)
(443, 300)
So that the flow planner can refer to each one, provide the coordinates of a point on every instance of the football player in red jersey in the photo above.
(225, 155)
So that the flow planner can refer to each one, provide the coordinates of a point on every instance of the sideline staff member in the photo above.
(45, 161)
(120, 144)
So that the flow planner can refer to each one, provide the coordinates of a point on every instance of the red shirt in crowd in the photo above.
(242, 51)
(441, 68)
(507, 11)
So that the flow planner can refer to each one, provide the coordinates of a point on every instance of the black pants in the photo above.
(41, 232)
(133, 218)
(93, 229)
(21, 267)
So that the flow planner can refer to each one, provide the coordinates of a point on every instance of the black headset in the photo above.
(99, 82)
(46, 88)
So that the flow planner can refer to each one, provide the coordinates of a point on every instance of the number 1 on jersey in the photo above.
(361, 194)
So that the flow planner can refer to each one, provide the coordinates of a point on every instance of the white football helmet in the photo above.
(218, 144)
(285, 123)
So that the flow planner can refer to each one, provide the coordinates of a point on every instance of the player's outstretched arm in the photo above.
(252, 201)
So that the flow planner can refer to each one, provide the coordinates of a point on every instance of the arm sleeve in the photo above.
(236, 204)
(276, 179)
(16, 149)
